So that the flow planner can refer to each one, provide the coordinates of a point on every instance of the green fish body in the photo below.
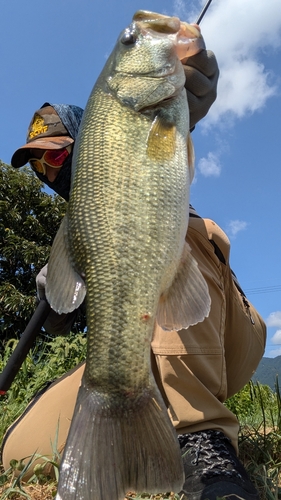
(123, 240)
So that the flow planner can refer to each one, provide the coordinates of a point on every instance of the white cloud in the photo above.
(210, 166)
(274, 352)
(235, 226)
(190, 14)
(274, 319)
(276, 339)
(240, 95)
(240, 33)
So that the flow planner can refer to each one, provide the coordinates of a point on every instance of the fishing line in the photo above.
(203, 12)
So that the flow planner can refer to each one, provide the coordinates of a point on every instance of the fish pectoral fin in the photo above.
(161, 141)
(190, 156)
(187, 301)
(65, 288)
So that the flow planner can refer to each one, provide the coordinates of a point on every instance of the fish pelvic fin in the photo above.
(65, 288)
(187, 301)
(113, 448)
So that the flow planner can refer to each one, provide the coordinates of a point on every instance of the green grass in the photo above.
(49, 359)
(256, 406)
(259, 414)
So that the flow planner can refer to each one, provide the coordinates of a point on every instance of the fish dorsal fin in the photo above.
(161, 141)
(187, 301)
(65, 288)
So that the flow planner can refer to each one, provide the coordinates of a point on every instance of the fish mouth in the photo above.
(158, 23)
(166, 70)
(187, 38)
(162, 103)
(162, 71)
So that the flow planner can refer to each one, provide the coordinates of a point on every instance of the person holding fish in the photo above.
(198, 359)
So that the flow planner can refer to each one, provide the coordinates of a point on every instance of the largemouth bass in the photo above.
(123, 239)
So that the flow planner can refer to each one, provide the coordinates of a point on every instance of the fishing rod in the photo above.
(25, 343)
(203, 12)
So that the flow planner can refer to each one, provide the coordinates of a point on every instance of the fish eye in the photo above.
(129, 37)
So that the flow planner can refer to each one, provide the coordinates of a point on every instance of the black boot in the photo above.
(212, 468)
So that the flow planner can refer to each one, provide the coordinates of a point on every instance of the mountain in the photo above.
(267, 371)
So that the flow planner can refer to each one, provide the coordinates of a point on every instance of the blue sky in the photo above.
(54, 50)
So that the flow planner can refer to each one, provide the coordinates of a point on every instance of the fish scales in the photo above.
(124, 235)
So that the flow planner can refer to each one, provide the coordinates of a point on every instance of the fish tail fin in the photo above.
(113, 448)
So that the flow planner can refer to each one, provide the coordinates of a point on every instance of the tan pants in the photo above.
(196, 369)
(199, 368)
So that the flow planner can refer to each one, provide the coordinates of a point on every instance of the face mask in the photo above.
(61, 185)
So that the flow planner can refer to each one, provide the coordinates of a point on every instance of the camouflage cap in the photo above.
(53, 126)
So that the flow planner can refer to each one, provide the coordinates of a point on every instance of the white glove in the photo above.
(41, 282)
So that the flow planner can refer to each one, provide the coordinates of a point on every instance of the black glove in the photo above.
(202, 73)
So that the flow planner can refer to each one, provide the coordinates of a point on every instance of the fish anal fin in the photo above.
(161, 141)
(187, 301)
(65, 288)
